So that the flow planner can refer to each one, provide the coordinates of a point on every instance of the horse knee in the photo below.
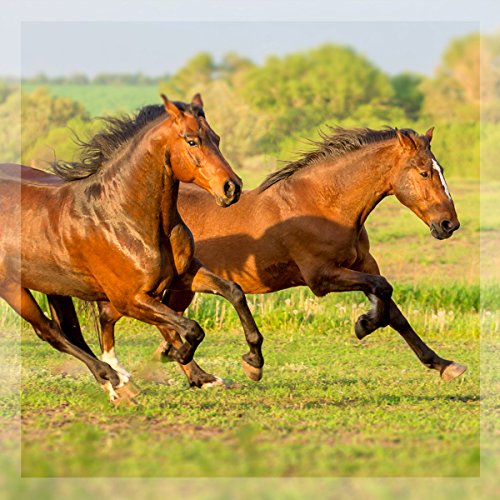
(382, 288)
(108, 314)
(193, 332)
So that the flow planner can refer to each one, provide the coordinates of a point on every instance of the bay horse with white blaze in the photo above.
(304, 225)
(111, 231)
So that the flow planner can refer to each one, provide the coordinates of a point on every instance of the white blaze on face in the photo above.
(437, 167)
(110, 358)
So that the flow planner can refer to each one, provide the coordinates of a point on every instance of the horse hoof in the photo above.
(453, 370)
(361, 328)
(128, 391)
(218, 382)
(163, 353)
(122, 401)
(251, 372)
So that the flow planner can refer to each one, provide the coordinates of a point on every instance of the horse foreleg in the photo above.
(197, 377)
(340, 279)
(369, 322)
(377, 316)
(204, 281)
(448, 369)
(150, 310)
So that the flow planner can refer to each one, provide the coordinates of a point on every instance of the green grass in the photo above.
(104, 99)
(328, 405)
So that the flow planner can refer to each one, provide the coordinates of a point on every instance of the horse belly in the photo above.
(55, 281)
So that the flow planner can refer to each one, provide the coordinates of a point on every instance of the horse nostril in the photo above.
(447, 226)
(229, 188)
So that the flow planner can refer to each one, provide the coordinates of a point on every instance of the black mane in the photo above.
(117, 132)
(332, 146)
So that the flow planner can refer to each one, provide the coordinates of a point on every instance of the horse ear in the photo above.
(171, 109)
(428, 134)
(197, 100)
(405, 140)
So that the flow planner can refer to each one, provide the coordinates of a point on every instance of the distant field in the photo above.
(102, 99)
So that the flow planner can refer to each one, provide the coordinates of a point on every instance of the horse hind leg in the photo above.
(64, 314)
(201, 280)
(21, 300)
(108, 316)
(196, 376)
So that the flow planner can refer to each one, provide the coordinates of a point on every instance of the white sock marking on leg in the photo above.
(110, 358)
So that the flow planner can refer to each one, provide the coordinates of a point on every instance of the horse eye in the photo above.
(191, 143)
(424, 174)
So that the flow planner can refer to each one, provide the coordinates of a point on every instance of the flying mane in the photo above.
(332, 146)
(117, 132)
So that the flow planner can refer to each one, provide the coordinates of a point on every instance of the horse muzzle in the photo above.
(444, 229)
(232, 192)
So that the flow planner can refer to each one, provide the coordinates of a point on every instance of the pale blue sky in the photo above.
(156, 36)
(158, 48)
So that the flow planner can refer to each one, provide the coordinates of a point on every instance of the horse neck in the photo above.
(139, 183)
(350, 187)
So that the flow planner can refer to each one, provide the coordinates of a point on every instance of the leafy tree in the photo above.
(233, 68)
(40, 113)
(10, 128)
(302, 90)
(5, 90)
(454, 93)
(199, 71)
(60, 142)
(490, 78)
(239, 126)
(408, 94)
(461, 62)
(457, 146)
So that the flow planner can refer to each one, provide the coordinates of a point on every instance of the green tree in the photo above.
(408, 94)
(10, 128)
(490, 78)
(239, 126)
(40, 113)
(233, 68)
(60, 142)
(302, 90)
(198, 72)
(454, 92)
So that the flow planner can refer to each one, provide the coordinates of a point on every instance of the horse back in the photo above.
(24, 174)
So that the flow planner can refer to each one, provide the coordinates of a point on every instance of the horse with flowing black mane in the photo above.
(110, 231)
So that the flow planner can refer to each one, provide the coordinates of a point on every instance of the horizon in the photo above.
(91, 47)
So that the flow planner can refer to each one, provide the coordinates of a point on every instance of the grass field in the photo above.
(103, 99)
(328, 405)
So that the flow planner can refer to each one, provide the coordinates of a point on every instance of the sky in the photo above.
(157, 36)
(159, 48)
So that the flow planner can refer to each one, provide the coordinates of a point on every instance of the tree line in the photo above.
(266, 111)
(138, 78)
